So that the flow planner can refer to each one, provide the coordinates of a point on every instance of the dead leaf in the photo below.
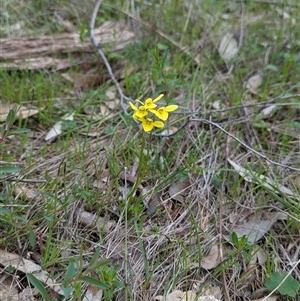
(228, 47)
(93, 293)
(214, 291)
(8, 290)
(110, 94)
(178, 295)
(254, 231)
(169, 131)
(206, 298)
(253, 83)
(177, 190)
(92, 220)
(84, 81)
(173, 296)
(261, 256)
(212, 259)
(268, 111)
(251, 176)
(23, 112)
(28, 294)
(27, 266)
(57, 128)
(153, 203)
(28, 193)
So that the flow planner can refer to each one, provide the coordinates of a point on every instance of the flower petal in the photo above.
(149, 104)
(161, 113)
(139, 102)
(133, 107)
(158, 98)
(147, 124)
(136, 117)
(141, 112)
(158, 124)
(171, 108)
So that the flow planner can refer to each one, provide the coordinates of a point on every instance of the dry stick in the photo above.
(265, 103)
(122, 96)
(101, 53)
(242, 29)
(26, 180)
(270, 2)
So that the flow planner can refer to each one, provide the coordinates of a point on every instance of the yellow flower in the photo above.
(148, 124)
(136, 117)
(163, 112)
(140, 111)
(150, 104)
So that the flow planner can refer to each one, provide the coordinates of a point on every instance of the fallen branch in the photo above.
(29, 53)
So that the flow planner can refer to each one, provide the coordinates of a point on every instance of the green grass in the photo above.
(154, 254)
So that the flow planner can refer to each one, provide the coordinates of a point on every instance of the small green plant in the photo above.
(99, 273)
(5, 131)
(284, 283)
(242, 246)
(241, 251)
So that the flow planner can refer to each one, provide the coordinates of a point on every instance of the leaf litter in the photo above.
(228, 47)
(27, 266)
(22, 111)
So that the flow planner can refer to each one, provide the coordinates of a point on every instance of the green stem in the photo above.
(139, 172)
(129, 201)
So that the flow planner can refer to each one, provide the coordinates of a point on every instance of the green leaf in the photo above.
(293, 124)
(67, 291)
(95, 258)
(262, 125)
(32, 238)
(39, 286)
(289, 286)
(230, 252)
(18, 131)
(271, 67)
(11, 116)
(9, 169)
(94, 282)
(235, 239)
(4, 211)
(70, 272)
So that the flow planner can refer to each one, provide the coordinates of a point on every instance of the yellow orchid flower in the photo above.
(136, 117)
(163, 112)
(148, 124)
(140, 112)
(150, 104)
